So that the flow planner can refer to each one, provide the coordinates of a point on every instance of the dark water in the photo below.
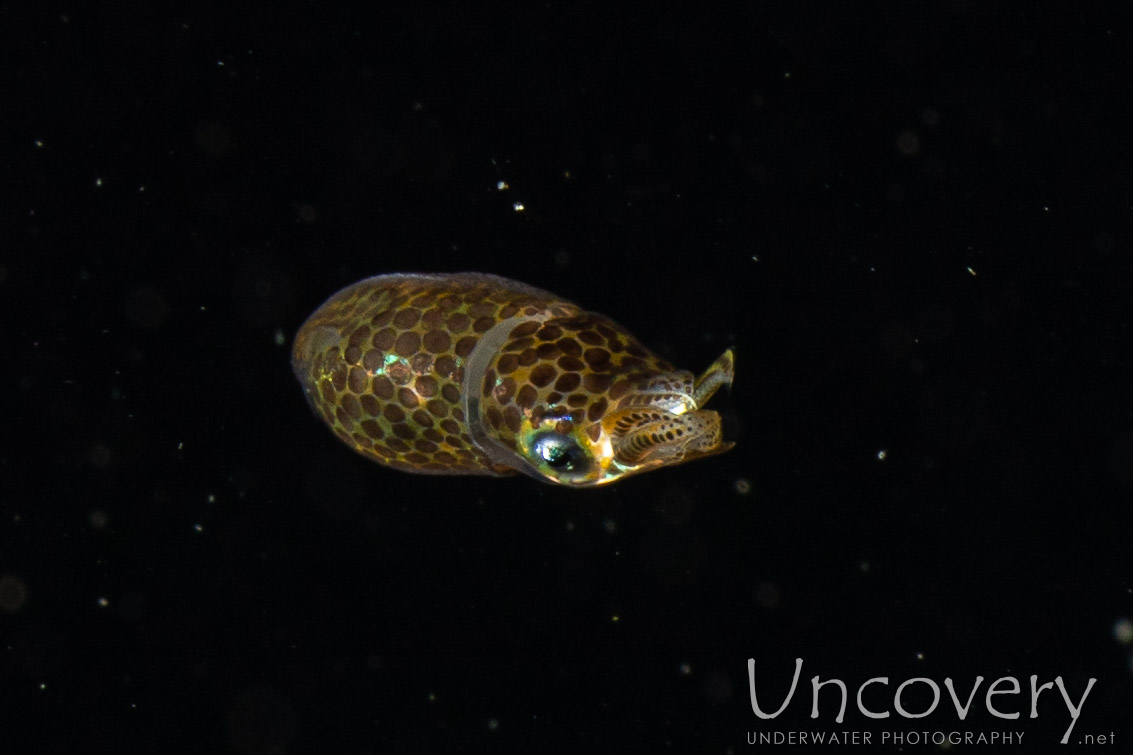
(912, 224)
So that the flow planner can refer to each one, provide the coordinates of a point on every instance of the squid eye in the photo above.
(561, 452)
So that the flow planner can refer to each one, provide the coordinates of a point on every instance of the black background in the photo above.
(911, 222)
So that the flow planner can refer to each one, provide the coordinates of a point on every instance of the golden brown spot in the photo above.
(384, 451)
(406, 319)
(596, 356)
(616, 345)
(450, 426)
(523, 329)
(542, 375)
(370, 404)
(489, 381)
(445, 366)
(448, 303)
(576, 400)
(382, 387)
(431, 433)
(436, 341)
(570, 346)
(437, 407)
(328, 393)
(416, 458)
(568, 382)
(562, 427)
(351, 407)
(372, 360)
(458, 322)
(396, 444)
(424, 300)
(357, 379)
(548, 351)
(465, 345)
(508, 311)
(526, 396)
(433, 318)
(508, 363)
(383, 339)
(405, 432)
(425, 446)
(511, 418)
(342, 417)
(352, 354)
(590, 337)
(407, 398)
(528, 357)
(571, 363)
(549, 333)
(495, 417)
(482, 309)
(407, 344)
(619, 389)
(360, 334)
(633, 348)
(421, 363)
(597, 410)
(445, 458)
(520, 344)
(596, 383)
(338, 377)
(372, 428)
(394, 413)
(426, 386)
(381, 319)
(451, 393)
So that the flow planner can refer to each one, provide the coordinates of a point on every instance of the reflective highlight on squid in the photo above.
(468, 373)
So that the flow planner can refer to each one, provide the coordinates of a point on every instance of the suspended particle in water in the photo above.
(13, 593)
